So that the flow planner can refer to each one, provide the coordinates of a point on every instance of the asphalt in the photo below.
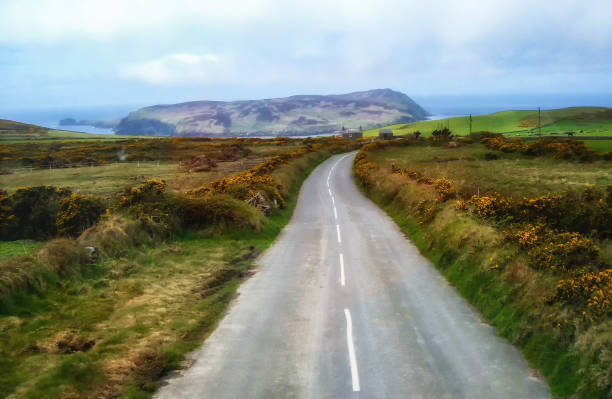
(395, 329)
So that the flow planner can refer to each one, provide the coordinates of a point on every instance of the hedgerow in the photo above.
(546, 286)
(566, 148)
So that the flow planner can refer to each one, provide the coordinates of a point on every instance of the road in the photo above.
(344, 306)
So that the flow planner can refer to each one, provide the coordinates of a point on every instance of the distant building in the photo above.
(352, 134)
(385, 134)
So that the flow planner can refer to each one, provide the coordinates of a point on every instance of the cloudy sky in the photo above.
(94, 52)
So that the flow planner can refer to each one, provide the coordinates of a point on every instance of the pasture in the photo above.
(583, 121)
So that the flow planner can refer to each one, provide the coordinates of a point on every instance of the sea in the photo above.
(50, 117)
(438, 106)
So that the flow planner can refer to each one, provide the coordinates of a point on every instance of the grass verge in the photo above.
(116, 327)
(493, 275)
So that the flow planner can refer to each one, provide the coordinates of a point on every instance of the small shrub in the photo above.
(565, 252)
(35, 211)
(489, 207)
(113, 236)
(442, 134)
(78, 212)
(591, 290)
(445, 189)
(220, 210)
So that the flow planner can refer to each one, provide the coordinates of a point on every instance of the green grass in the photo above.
(65, 136)
(491, 273)
(509, 175)
(144, 311)
(599, 145)
(107, 179)
(11, 249)
(585, 121)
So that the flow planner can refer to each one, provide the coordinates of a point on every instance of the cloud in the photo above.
(52, 21)
(182, 69)
(289, 46)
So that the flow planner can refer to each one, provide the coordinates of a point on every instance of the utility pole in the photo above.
(470, 124)
(539, 124)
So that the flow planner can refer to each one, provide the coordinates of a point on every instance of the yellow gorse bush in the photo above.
(444, 186)
(591, 290)
(245, 185)
(488, 206)
(143, 192)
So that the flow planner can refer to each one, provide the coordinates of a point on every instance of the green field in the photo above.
(65, 135)
(599, 145)
(10, 249)
(107, 179)
(509, 174)
(583, 121)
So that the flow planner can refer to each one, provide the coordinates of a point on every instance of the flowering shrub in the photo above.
(33, 211)
(445, 189)
(559, 148)
(565, 252)
(77, 212)
(243, 186)
(152, 207)
(591, 290)
(425, 211)
(219, 210)
(149, 191)
(529, 235)
(444, 186)
(585, 212)
(362, 167)
(489, 207)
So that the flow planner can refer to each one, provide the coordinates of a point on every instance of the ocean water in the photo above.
(439, 106)
(50, 117)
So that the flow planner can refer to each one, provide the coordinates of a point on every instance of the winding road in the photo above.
(344, 306)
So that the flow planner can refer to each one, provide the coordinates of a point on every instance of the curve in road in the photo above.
(344, 306)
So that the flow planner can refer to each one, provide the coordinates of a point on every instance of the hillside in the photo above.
(304, 114)
(586, 121)
(10, 130)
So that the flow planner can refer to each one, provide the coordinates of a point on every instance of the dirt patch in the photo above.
(200, 163)
(70, 342)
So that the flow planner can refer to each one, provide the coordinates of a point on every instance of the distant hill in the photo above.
(296, 115)
(10, 130)
(102, 124)
(582, 121)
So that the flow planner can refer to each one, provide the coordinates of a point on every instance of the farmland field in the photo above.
(599, 145)
(509, 174)
(583, 121)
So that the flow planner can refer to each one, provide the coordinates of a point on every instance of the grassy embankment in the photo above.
(573, 350)
(583, 121)
(113, 327)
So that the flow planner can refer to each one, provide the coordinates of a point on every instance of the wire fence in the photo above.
(85, 165)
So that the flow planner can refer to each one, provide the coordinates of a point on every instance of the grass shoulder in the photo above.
(117, 326)
(492, 272)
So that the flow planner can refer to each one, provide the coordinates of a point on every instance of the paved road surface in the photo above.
(343, 306)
